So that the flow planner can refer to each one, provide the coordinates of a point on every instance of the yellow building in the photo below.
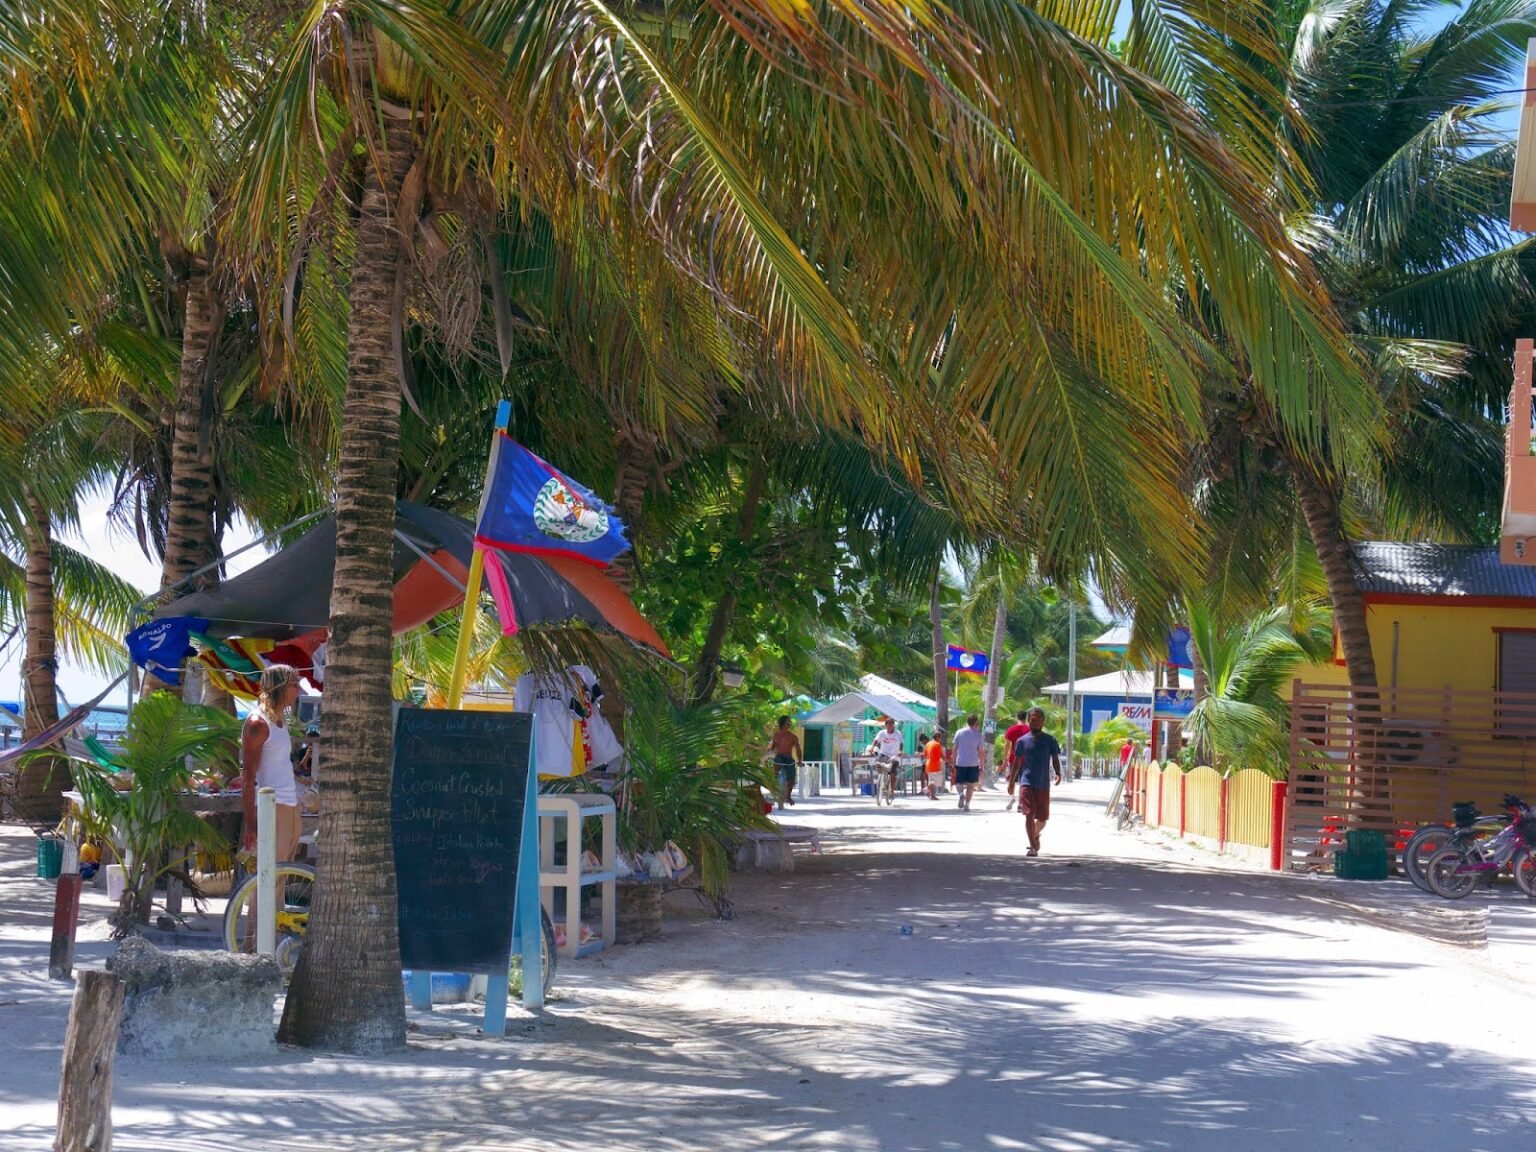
(1444, 616)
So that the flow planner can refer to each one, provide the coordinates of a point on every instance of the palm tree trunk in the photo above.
(189, 535)
(40, 788)
(346, 993)
(707, 669)
(940, 655)
(1325, 523)
(635, 461)
(994, 672)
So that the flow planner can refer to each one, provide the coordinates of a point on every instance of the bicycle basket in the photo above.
(1464, 813)
(1528, 830)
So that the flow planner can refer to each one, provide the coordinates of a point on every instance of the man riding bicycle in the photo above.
(886, 749)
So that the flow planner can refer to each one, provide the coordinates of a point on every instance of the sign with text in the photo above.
(1138, 714)
(458, 797)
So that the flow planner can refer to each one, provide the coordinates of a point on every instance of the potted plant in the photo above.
(133, 803)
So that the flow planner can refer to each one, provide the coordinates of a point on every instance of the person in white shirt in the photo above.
(266, 760)
(965, 757)
(886, 748)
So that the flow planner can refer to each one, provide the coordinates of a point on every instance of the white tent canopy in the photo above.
(855, 704)
(880, 686)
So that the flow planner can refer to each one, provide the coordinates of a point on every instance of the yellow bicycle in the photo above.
(295, 891)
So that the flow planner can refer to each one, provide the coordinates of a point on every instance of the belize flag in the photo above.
(531, 506)
(964, 660)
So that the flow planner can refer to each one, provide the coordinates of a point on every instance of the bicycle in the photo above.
(1470, 825)
(295, 894)
(1453, 872)
(885, 783)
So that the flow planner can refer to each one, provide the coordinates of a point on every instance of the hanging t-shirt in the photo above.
(603, 746)
(550, 699)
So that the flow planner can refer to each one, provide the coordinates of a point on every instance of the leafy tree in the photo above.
(1402, 180)
(1239, 720)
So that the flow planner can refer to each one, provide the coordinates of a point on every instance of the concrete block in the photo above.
(195, 1005)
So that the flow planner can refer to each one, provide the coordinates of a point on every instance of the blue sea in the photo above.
(108, 720)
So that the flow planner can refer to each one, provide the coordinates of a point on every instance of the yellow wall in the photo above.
(1437, 645)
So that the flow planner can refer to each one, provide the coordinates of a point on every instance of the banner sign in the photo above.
(1173, 704)
(1138, 714)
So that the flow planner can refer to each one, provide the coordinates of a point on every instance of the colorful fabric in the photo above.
(246, 651)
(160, 646)
(531, 506)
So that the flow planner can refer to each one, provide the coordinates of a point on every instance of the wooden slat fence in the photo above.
(1234, 811)
(1393, 758)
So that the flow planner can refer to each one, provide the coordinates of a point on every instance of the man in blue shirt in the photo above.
(1036, 760)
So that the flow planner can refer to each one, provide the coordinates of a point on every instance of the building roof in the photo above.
(1389, 569)
(880, 686)
(855, 704)
(1117, 639)
(1127, 684)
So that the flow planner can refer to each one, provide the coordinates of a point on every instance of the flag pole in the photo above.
(472, 590)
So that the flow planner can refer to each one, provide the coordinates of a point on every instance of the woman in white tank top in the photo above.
(266, 759)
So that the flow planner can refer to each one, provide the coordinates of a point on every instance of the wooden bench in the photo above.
(772, 851)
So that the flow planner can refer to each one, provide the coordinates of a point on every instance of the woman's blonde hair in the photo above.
(274, 678)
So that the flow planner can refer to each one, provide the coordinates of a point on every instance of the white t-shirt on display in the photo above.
(968, 746)
(549, 699)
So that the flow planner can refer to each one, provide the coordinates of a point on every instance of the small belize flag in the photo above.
(964, 660)
(531, 506)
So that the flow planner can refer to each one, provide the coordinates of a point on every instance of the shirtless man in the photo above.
(785, 747)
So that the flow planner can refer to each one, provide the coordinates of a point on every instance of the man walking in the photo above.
(1038, 761)
(966, 758)
(1010, 741)
(785, 749)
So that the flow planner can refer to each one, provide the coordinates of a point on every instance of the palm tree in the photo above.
(1239, 720)
(1406, 181)
(1031, 298)
(64, 603)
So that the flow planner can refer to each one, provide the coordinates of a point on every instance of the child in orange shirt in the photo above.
(933, 762)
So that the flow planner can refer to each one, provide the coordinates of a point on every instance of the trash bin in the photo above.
(1363, 856)
(50, 857)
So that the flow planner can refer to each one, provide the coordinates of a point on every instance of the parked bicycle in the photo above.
(1469, 825)
(1453, 872)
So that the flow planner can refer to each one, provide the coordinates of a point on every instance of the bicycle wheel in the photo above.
(295, 894)
(549, 957)
(1421, 846)
(1443, 877)
(1524, 866)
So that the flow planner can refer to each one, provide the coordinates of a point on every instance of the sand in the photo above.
(1121, 992)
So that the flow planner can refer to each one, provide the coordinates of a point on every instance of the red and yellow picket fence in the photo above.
(1240, 813)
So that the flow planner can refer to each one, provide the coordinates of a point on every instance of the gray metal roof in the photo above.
(1387, 568)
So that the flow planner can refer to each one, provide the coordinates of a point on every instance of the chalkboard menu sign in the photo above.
(459, 791)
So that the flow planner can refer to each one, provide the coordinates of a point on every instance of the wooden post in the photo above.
(1277, 827)
(1221, 819)
(66, 913)
(266, 872)
(85, 1086)
(1183, 802)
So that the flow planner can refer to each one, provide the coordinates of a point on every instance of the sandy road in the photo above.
(1118, 993)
